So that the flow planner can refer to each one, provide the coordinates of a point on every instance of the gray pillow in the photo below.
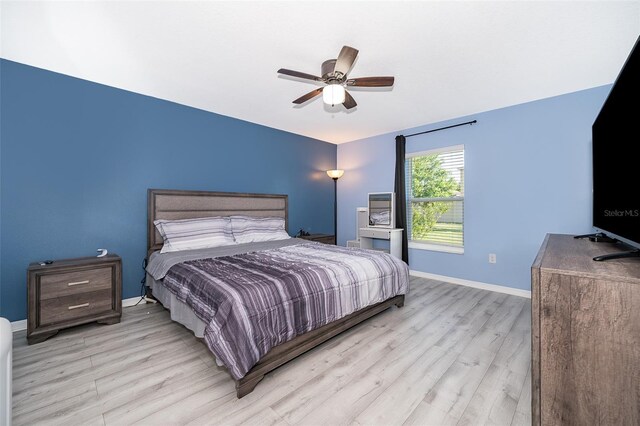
(256, 229)
(191, 234)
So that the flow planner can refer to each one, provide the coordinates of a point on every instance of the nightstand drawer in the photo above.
(75, 282)
(320, 238)
(66, 308)
(329, 239)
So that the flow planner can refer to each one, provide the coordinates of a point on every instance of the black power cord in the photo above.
(143, 281)
(302, 233)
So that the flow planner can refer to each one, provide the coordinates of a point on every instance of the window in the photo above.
(435, 199)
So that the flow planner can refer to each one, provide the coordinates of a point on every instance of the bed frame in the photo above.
(182, 204)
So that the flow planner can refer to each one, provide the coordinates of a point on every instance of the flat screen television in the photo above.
(616, 177)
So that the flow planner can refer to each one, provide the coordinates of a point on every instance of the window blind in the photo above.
(435, 196)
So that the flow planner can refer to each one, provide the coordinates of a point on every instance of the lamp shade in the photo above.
(335, 174)
(333, 94)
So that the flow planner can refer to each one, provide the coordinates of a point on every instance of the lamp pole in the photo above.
(335, 209)
(335, 175)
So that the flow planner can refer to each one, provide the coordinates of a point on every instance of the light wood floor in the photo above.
(451, 355)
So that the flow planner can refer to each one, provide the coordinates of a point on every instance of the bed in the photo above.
(258, 305)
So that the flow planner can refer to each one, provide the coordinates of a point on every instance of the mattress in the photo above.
(180, 311)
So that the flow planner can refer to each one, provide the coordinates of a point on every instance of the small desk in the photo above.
(393, 235)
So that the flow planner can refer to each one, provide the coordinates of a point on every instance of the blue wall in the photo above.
(77, 158)
(527, 173)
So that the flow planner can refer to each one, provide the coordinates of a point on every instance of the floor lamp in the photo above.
(335, 175)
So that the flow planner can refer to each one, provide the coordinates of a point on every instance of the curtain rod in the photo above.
(442, 128)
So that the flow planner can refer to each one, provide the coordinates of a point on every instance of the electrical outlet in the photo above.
(492, 258)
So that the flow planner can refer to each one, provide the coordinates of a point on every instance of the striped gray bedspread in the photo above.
(252, 302)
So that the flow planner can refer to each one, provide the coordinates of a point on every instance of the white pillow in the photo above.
(191, 234)
(256, 229)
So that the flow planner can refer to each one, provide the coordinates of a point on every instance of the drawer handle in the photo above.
(78, 283)
(84, 305)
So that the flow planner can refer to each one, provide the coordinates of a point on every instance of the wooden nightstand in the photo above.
(321, 238)
(72, 292)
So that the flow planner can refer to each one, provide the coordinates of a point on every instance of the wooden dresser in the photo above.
(321, 238)
(585, 335)
(72, 292)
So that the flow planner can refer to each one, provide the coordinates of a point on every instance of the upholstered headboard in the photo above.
(181, 204)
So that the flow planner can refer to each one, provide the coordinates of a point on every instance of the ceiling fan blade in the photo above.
(349, 102)
(345, 60)
(310, 95)
(298, 74)
(371, 82)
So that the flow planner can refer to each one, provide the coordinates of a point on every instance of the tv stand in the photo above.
(620, 255)
(598, 237)
(584, 335)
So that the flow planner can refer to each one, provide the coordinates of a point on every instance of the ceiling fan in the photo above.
(334, 75)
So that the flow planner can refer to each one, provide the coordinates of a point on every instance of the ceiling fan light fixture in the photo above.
(334, 75)
(333, 94)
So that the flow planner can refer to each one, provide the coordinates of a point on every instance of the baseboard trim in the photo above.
(22, 324)
(130, 302)
(475, 284)
(19, 325)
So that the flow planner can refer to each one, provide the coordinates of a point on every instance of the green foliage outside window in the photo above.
(429, 180)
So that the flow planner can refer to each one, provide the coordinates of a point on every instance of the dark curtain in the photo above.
(401, 199)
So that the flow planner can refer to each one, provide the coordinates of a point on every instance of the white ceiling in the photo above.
(449, 58)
